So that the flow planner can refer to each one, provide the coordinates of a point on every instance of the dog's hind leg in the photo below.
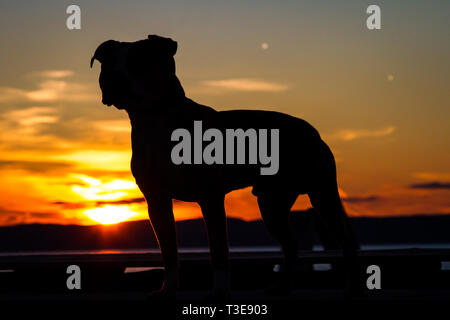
(324, 196)
(213, 211)
(163, 223)
(275, 211)
(329, 206)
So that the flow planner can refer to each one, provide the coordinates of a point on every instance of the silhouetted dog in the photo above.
(139, 77)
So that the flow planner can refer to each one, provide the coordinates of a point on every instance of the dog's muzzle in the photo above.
(114, 87)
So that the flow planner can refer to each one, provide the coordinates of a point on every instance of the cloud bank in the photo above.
(245, 85)
(353, 134)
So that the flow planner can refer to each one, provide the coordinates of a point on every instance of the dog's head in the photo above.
(134, 74)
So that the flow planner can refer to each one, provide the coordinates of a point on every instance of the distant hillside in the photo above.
(191, 233)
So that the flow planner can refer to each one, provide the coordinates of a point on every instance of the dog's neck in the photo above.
(169, 105)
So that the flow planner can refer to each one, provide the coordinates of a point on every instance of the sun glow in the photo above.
(110, 214)
(108, 192)
(104, 160)
(97, 190)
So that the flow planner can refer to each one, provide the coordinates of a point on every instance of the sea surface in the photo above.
(232, 249)
(318, 267)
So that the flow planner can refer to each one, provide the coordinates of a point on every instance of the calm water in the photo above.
(233, 249)
(318, 267)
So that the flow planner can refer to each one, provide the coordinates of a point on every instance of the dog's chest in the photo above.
(150, 152)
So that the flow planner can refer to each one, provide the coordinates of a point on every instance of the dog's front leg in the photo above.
(213, 211)
(163, 223)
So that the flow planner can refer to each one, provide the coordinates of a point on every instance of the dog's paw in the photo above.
(354, 291)
(279, 289)
(355, 288)
(161, 294)
(218, 295)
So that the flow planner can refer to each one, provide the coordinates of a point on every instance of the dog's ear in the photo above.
(103, 50)
(167, 45)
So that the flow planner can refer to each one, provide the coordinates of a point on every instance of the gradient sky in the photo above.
(380, 98)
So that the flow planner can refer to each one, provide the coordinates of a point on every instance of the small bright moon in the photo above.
(264, 46)
(390, 77)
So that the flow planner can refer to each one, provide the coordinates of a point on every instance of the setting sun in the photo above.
(110, 214)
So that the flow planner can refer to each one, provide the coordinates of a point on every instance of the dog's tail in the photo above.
(325, 198)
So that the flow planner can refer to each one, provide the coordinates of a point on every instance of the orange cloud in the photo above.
(50, 88)
(240, 84)
(353, 134)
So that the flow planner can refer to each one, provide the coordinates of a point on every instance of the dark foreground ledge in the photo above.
(406, 275)
(29, 260)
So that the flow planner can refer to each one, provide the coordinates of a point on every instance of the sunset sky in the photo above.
(379, 98)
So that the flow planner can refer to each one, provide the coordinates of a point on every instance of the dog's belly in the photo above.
(196, 183)
(203, 183)
(189, 182)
